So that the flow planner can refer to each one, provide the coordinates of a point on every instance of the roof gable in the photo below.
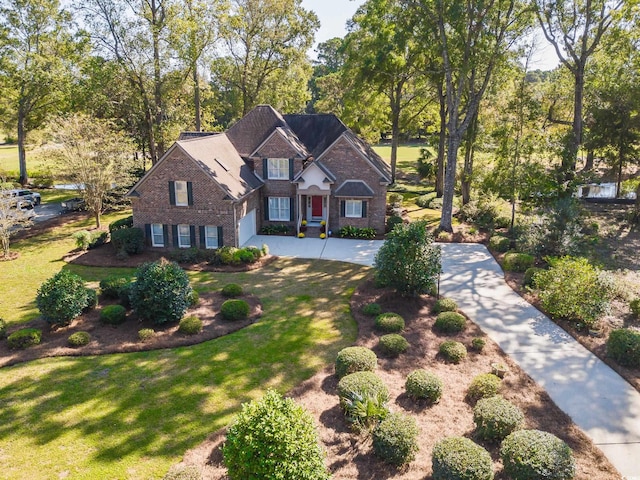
(297, 147)
(317, 131)
(254, 128)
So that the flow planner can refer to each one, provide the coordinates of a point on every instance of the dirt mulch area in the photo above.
(124, 338)
(349, 455)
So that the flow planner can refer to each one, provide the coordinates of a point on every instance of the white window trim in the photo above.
(208, 228)
(184, 202)
(280, 170)
(356, 208)
(180, 244)
(153, 235)
(279, 208)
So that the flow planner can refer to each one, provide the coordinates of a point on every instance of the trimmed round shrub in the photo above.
(623, 345)
(92, 299)
(145, 334)
(273, 437)
(422, 385)
(395, 439)
(496, 417)
(483, 386)
(445, 305)
(234, 309)
(634, 306)
(361, 384)
(450, 322)
(24, 338)
(110, 287)
(194, 298)
(532, 454)
(372, 309)
(478, 344)
(529, 277)
(458, 458)
(393, 344)
(3, 328)
(517, 262)
(113, 314)
(231, 290)
(161, 291)
(79, 339)
(390, 322)
(62, 298)
(183, 472)
(190, 326)
(453, 351)
(355, 359)
(499, 243)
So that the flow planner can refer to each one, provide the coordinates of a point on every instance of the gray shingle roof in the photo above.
(250, 131)
(355, 189)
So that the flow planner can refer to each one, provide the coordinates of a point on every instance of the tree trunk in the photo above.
(395, 128)
(196, 96)
(156, 24)
(22, 155)
(570, 156)
(442, 140)
(620, 165)
(588, 166)
(450, 181)
(467, 173)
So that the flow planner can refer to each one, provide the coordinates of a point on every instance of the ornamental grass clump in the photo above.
(445, 305)
(450, 322)
(496, 417)
(355, 359)
(423, 385)
(273, 438)
(393, 344)
(395, 439)
(234, 309)
(453, 351)
(483, 386)
(362, 384)
(533, 454)
(79, 339)
(389, 322)
(458, 458)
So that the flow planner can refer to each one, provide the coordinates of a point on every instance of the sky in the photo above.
(333, 15)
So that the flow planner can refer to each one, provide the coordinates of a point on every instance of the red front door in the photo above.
(316, 206)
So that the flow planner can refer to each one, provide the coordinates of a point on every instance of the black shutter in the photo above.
(174, 233)
(291, 169)
(364, 209)
(147, 233)
(265, 170)
(342, 208)
(172, 193)
(165, 235)
(266, 208)
(203, 237)
(220, 237)
(192, 234)
(190, 193)
(291, 212)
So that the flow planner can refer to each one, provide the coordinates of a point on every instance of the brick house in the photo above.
(213, 189)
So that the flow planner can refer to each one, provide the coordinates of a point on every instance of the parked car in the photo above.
(34, 197)
(17, 200)
(73, 205)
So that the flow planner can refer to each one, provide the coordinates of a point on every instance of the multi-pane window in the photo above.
(278, 168)
(157, 235)
(211, 237)
(279, 209)
(353, 208)
(182, 194)
(184, 236)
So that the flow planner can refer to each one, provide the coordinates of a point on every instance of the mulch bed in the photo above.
(349, 455)
(124, 337)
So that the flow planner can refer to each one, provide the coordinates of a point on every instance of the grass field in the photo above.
(134, 415)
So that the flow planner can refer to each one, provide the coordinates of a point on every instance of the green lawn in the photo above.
(9, 158)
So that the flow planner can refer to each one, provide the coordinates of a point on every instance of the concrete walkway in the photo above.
(598, 400)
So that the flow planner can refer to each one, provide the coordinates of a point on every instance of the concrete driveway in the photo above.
(361, 252)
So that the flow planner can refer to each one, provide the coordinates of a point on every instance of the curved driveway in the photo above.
(598, 400)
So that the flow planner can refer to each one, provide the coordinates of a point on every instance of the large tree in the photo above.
(264, 55)
(575, 29)
(472, 37)
(383, 53)
(37, 51)
(92, 153)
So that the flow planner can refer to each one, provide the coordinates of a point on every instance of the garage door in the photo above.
(247, 227)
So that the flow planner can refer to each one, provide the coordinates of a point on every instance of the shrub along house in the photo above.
(213, 189)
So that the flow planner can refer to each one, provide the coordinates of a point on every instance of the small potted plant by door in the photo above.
(323, 226)
(303, 226)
